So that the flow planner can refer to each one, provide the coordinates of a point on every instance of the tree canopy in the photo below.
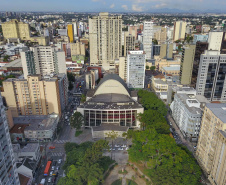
(85, 163)
(77, 120)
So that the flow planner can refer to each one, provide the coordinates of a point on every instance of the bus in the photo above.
(47, 169)
(77, 94)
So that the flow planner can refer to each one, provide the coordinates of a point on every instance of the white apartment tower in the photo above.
(44, 60)
(105, 34)
(211, 81)
(8, 174)
(179, 30)
(135, 69)
(215, 40)
(147, 39)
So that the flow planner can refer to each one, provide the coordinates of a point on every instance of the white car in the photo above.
(127, 148)
(50, 179)
(51, 173)
(59, 161)
(120, 148)
(53, 167)
(112, 149)
(117, 145)
(124, 146)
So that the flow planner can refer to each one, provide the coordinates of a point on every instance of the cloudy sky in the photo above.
(108, 5)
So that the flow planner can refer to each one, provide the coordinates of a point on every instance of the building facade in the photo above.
(111, 106)
(213, 120)
(135, 69)
(129, 43)
(105, 33)
(8, 174)
(211, 81)
(78, 48)
(147, 39)
(32, 96)
(70, 32)
(187, 60)
(43, 60)
(179, 30)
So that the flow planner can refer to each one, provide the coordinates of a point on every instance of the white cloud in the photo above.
(160, 5)
(137, 8)
(112, 6)
(125, 7)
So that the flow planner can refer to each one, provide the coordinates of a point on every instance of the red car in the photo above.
(52, 147)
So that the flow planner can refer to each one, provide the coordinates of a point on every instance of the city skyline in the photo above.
(116, 6)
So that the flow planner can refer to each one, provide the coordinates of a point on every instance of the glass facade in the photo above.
(210, 80)
(122, 117)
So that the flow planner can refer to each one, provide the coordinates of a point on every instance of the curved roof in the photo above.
(112, 83)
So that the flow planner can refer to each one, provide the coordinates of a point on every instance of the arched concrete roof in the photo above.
(112, 83)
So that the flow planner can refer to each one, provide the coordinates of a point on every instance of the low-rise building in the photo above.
(172, 70)
(40, 128)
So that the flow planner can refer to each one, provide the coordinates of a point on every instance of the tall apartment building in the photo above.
(129, 43)
(123, 68)
(43, 60)
(78, 48)
(147, 39)
(218, 170)
(8, 174)
(33, 96)
(179, 30)
(166, 50)
(211, 81)
(215, 40)
(70, 32)
(75, 30)
(105, 33)
(213, 120)
(135, 69)
(16, 29)
(187, 60)
(161, 35)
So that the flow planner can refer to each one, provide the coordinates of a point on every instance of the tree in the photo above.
(70, 77)
(83, 98)
(152, 68)
(147, 67)
(77, 120)
(189, 39)
(6, 58)
(113, 135)
(155, 42)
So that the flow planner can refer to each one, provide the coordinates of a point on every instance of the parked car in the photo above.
(117, 145)
(53, 167)
(59, 161)
(49, 179)
(124, 146)
(52, 147)
(120, 148)
(51, 173)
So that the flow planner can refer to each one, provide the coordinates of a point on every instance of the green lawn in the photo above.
(117, 182)
(77, 133)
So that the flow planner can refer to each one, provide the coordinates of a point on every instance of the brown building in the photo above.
(32, 96)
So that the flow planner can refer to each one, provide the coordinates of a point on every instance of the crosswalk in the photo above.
(62, 141)
(57, 154)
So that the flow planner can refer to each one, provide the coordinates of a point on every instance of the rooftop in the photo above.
(23, 179)
(15, 63)
(218, 109)
(172, 68)
(18, 128)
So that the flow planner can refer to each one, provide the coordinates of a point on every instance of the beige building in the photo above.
(105, 33)
(166, 50)
(123, 68)
(129, 42)
(15, 29)
(78, 48)
(159, 62)
(33, 96)
(218, 171)
(179, 30)
(213, 120)
(187, 60)
(161, 35)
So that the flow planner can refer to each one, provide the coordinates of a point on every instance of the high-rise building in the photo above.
(105, 33)
(43, 60)
(166, 50)
(8, 174)
(187, 60)
(70, 32)
(135, 69)
(16, 29)
(33, 96)
(147, 39)
(218, 170)
(215, 40)
(123, 68)
(78, 48)
(75, 30)
(179, 30)
(213, 120)
(129, 43)
(211, 81)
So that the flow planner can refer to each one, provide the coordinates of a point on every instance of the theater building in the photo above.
(111, 106)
